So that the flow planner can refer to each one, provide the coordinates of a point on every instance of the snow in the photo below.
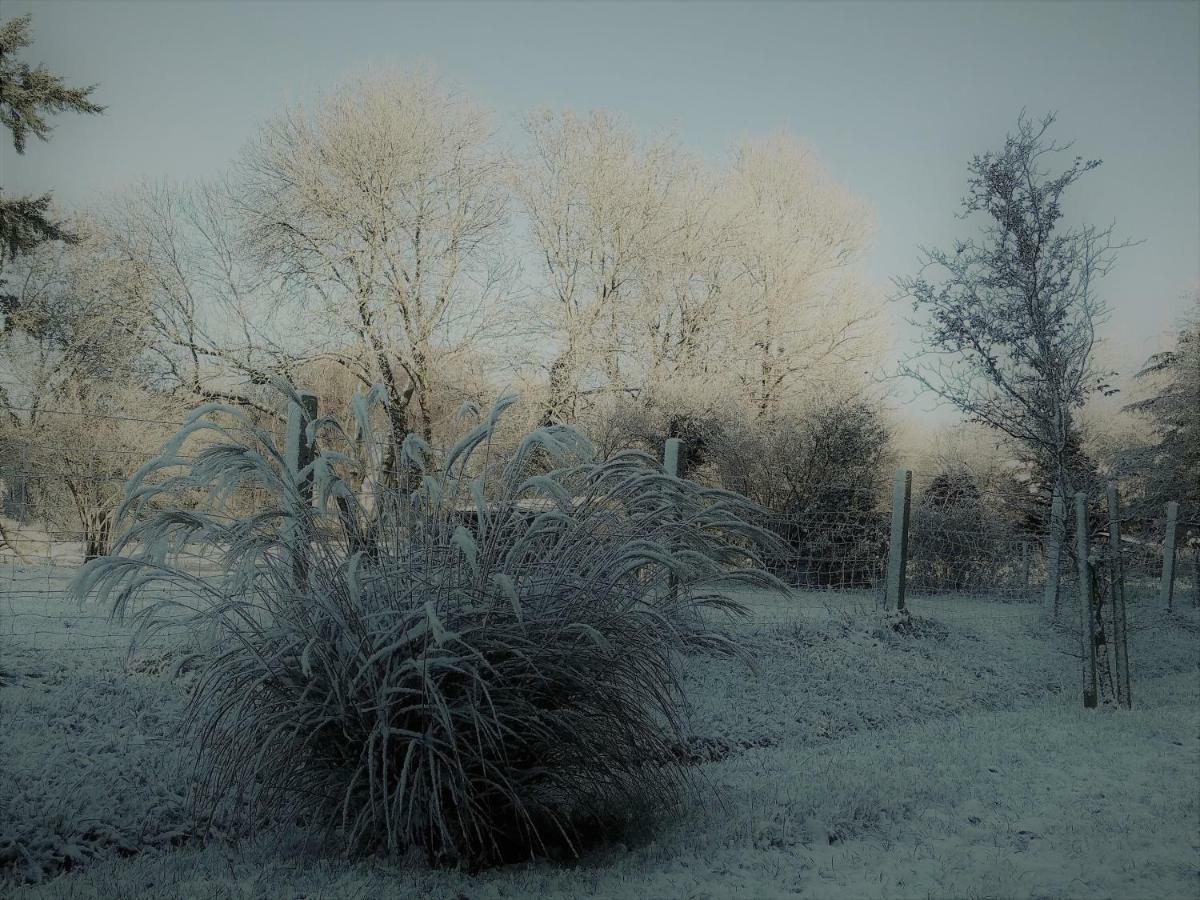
(849, 762)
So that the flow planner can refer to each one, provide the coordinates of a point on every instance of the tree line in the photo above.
(384, 235)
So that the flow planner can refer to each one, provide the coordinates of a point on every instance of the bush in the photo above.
(957, 543)
(479, 664)
(817, 470)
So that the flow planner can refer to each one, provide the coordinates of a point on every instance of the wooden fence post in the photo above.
(1166, 590)
(898, 542)
(1087, 616)
(1117, 582)
(1054, 553)
(299, 452)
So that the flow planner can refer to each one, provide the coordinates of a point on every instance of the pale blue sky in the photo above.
(896, 96)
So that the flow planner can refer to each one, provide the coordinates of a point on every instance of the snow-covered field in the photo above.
(852, 761)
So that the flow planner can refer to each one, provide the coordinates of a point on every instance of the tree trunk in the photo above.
(558, 409)
(426, 417)
(97, 535)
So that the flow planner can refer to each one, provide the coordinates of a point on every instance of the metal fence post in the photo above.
(1087, 616)
(671, 456)
(1025, 569)
(1196, 578)
(1166, 590)
(297, 450)
(299, 453)
(1054, 553)
(898, 541)
(1117, 581)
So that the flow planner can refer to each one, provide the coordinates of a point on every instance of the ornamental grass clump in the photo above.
(432, 651)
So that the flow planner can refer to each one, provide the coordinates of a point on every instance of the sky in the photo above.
(896, 97)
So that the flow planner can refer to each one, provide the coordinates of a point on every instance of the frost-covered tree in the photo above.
(78, 415)
(1009, 318)
(801, 315)
(598, 206)
(219, 326)
(380, 209)
(661, 277)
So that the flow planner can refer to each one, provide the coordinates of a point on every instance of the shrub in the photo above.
(816, 469)
(957, 542)
(477, 663)
(646, 423)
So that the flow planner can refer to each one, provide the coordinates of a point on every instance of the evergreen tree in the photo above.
(27, 95)
(1168, 468)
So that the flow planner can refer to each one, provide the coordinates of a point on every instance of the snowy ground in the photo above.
(851, 762)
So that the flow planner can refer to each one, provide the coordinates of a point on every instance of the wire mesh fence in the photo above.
(973, 554)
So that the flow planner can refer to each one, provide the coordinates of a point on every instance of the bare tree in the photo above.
(684, 320)
(382, 209)
(1010, 318)
(662, 276)
(78, 413)
(801, 313)
(597, 202)
(220, 327)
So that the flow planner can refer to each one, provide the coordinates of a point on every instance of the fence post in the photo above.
(1087, 616)
(898, 542)
(1196, 578)
(1166, 591)
(671, 456)
(1117, 581)
(299, 452)
(1025, 569)
(1054, 553)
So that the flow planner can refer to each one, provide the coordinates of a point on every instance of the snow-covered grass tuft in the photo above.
(479, 661)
